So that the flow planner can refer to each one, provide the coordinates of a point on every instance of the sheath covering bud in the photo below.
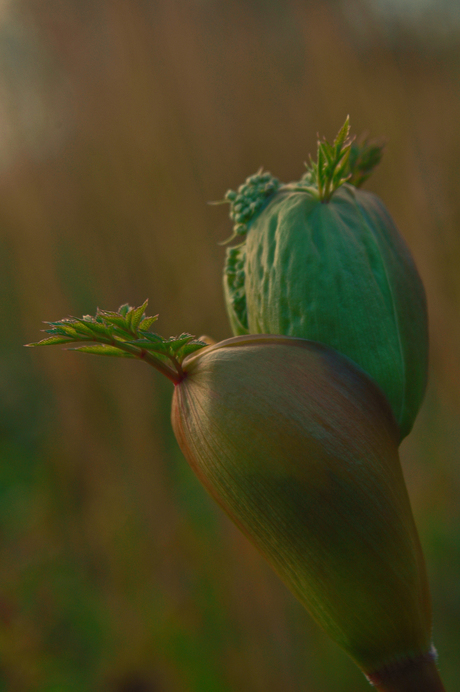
(300, 448)
(333, 268)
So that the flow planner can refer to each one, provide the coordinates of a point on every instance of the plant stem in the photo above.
(419, 675)
(175, 376)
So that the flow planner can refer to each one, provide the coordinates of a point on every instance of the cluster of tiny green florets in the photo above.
(234, 270)
(249, 199)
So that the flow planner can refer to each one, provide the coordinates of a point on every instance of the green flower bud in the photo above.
(300, 448)
(323, 260)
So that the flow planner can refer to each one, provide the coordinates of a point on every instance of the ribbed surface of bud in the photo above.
(300, 448)
(341, 274)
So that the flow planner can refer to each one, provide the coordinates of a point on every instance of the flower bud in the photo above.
(336, 271)
(300, 448)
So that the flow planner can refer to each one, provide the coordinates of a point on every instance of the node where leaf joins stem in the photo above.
(175, 373)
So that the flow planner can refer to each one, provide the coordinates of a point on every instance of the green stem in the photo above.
(175, 375)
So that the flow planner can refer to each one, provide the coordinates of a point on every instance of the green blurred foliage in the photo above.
(120, 121)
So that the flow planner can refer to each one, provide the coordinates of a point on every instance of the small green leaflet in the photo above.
(124, 334)
(343, 161)
(53, 340)
(330, 170)
(365, 155)
(135, 315)
(103, 350)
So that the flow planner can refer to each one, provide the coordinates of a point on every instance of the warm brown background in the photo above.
(119, 121)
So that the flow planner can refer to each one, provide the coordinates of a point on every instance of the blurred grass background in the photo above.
(119, 122)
